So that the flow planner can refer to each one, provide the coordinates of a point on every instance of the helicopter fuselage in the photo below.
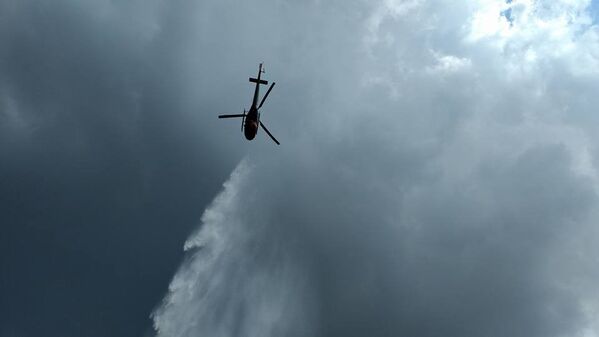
(250, 126)
(252, 118)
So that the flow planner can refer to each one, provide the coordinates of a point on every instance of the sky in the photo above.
(437, 173)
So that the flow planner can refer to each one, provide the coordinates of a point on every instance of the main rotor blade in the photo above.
(271, 136)
(231, 116)
(266, 95)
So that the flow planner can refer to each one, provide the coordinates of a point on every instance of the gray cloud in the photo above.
(442, 183)
(436, 174)
(97, 148)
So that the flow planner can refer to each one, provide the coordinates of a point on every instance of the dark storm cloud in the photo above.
(103, 164)
(436, 174)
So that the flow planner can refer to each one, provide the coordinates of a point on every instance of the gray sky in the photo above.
(437, 173)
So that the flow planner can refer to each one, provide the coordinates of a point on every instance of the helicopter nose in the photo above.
(250, 129)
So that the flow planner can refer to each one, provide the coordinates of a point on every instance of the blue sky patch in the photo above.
(508, 13)
(595, 10)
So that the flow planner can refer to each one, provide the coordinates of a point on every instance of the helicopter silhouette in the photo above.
(250, 120)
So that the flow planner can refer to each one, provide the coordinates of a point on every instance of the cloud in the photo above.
(437, 173)
(443, 183)
(238, 280)
(98, 143)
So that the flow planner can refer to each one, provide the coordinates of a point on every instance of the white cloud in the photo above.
(540, 31)
(447, 64)
(238, 279)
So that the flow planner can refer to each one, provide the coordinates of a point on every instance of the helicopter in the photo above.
(251, 119)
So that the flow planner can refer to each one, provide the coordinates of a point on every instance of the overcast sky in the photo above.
(437, 173)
